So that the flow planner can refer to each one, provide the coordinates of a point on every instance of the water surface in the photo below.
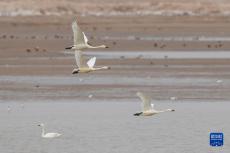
(102, 127)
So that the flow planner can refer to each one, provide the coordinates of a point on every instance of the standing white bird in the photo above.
(148, 107)
(90, 64)
(90, 96)
(173, 98)
(8, 109)
(80, 40)
(219, 81)
(48, 135)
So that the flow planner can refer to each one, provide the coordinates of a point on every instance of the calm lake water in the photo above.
(110, 127)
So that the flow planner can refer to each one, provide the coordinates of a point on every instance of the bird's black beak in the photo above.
(75, 72)
(106, 47)
(173, 110)
(39, 125)
(137, 114)
(68, 47)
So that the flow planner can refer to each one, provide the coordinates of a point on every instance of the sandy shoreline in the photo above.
(115, 7)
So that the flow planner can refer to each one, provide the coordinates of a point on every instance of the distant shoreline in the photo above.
(115, 8)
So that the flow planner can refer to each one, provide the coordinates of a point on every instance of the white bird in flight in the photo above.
(82, 68)
(80, 40)
(148, 107)
(48, 135)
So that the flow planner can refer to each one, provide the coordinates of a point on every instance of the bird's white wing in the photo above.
(91, 62)
(152, 105)
(146, 101)
(79, 58)
(85, 38)
(77, 34)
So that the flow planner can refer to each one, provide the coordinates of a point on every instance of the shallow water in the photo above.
(106, 80)
(171, 38)
(163, 54)
(182, 84)
(102, 127)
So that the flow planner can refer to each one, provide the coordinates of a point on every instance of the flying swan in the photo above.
(148, 107)
(86, 68)
(80, 40)
(48, 135)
